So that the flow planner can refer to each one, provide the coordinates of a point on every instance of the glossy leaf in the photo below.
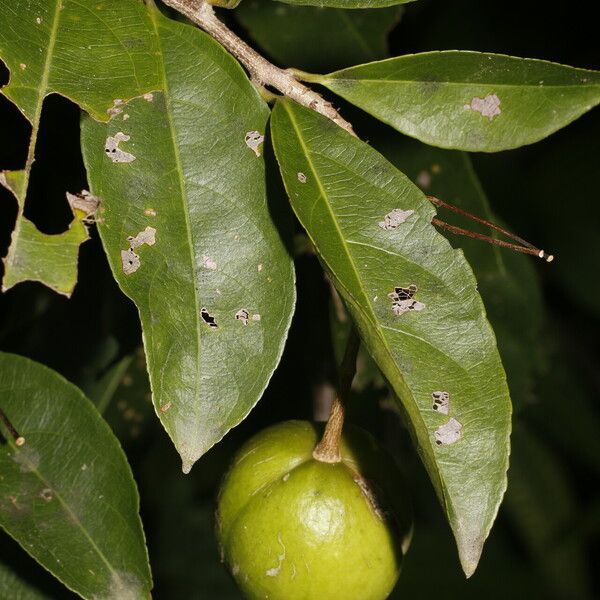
(318, 38)
(344, 193)
(191, 239)
(347, 3)
(468, 100)
(97, 54)
(506, 280)
(70, 503)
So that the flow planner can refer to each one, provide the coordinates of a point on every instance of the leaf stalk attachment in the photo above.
(328, 449)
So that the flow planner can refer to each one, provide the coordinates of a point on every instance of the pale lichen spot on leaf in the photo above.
(448, 433)
(441, 402)
(149, 97)
(301, 177)
(165, 407)
(253, 140)
(403, 300)
(38, 20)
(256, 317)
(125, 116)
(259, 268)
(209, 263)
(116, 108)
(130, 260)
(395, 218)
(46, 494)
(147, 236)
(111, 147)
(488, 107)
(242, 315)
(22, 66)
(150, 212)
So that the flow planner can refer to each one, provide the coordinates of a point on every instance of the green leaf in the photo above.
(344, 193)
(318, 38)
(347, 3)
(36, 256)
(70, 503)
(468, 100)
(97, 54)
(506, 280)
(191, 239)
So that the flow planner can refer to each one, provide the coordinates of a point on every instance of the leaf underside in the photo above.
(341, 191)
(70, 503)
(212, 280)
(468, 100)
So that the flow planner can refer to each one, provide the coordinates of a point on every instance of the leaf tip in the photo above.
(186, 466)
(469, 552)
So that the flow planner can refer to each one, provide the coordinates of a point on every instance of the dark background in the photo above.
(548, 193)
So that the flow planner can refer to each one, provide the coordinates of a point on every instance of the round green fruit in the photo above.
(291, 527)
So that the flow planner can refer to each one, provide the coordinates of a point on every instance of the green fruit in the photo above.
(291, 527)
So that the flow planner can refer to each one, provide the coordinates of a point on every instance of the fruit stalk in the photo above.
(328, 449)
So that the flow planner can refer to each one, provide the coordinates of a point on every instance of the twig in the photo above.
(328, 449)
(261, 71)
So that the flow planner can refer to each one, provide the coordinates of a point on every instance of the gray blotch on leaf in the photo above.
(488, 107)
(403, 300)
(116, 108)
(209, 263)
(111, 147)
(253, 140)
(395, 218)
(448, 433)
(130, 261)
(441, 402)
(242, 315)
(147, 236)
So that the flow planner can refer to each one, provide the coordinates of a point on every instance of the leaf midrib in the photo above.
(182, 188)
(42, 90)
(328, 78)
